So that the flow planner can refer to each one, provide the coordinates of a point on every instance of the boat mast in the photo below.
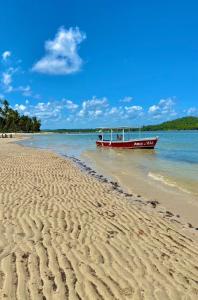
(123, 134)
(111, 135)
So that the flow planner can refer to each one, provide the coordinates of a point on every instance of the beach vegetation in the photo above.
(12, 121)
(185, 123)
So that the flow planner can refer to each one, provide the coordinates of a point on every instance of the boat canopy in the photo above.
(115, 128)
(122, 129)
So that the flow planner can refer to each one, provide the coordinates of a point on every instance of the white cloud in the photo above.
(61, 56)
(6, 80)
(90, 107)
(192, 111)
(5, 55)
(100, 108)
(164, 108)
(51, 110)
(45, 110)
(134, 108)
(98, 112)
(71, 105)
(7, 73)
(20, 107)
(126, 99)
(25, 90)
(95, 113)
(114, 111)
(153, 109)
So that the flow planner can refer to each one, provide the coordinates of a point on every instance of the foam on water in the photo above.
(167, 181)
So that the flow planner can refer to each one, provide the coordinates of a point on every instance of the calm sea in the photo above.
(174, 162)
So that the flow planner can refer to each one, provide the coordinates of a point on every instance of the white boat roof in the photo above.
(114, 128)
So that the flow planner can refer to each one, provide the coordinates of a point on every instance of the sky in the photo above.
(85, 64)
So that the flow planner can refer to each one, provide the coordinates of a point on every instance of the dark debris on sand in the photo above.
(116, 187)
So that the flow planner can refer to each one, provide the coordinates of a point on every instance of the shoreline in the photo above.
(175, 210)
(137, 180)
(131, 196)
(171, 198)
(67, 234)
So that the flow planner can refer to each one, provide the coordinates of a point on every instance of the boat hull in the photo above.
(131, 144)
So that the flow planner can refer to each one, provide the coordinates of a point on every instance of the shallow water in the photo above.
(174, 162)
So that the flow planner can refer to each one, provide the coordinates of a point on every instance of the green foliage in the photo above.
(12, 121)
(87, 130)
(186, 123)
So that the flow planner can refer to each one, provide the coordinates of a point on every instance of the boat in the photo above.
(122, 142)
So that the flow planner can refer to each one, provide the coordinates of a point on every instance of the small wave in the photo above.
(164, 180)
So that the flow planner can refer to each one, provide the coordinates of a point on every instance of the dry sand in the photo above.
(66, 235)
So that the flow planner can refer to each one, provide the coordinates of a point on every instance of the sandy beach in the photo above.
(64, 234)
(172, 197)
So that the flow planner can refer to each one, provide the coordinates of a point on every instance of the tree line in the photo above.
(12, 121)
(185, 123)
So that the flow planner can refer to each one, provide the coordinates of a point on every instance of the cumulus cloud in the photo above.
(47, 111)
(98, 112)
(100, 108)
(90, 107)
(5, 55)
(95, 113)
(126, 99)
(70, 105)
(6, 79)
(25, 90)
(153, 109)
(192, 111)
(165, 107)
(115, 111)
(134, 108)
(9, 71)
(61, 57)
(20, 107)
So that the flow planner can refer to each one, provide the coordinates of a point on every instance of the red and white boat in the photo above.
(122, 142)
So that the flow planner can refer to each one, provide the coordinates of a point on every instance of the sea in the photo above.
(173, 163)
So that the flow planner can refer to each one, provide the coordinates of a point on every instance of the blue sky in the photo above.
(99, 63)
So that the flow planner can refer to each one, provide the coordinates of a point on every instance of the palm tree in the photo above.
(11, 120)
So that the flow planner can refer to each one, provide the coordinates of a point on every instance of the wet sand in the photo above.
(136, 181)
(71, 234)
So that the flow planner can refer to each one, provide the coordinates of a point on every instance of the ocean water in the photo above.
(174, 161)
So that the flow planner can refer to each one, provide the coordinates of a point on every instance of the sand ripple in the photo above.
(65, 235)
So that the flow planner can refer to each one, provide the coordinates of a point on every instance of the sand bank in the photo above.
(66, 235)
(140, 182)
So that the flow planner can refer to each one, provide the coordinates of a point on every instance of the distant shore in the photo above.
(68, 233)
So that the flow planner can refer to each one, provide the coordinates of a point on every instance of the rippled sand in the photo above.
(65, 235)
